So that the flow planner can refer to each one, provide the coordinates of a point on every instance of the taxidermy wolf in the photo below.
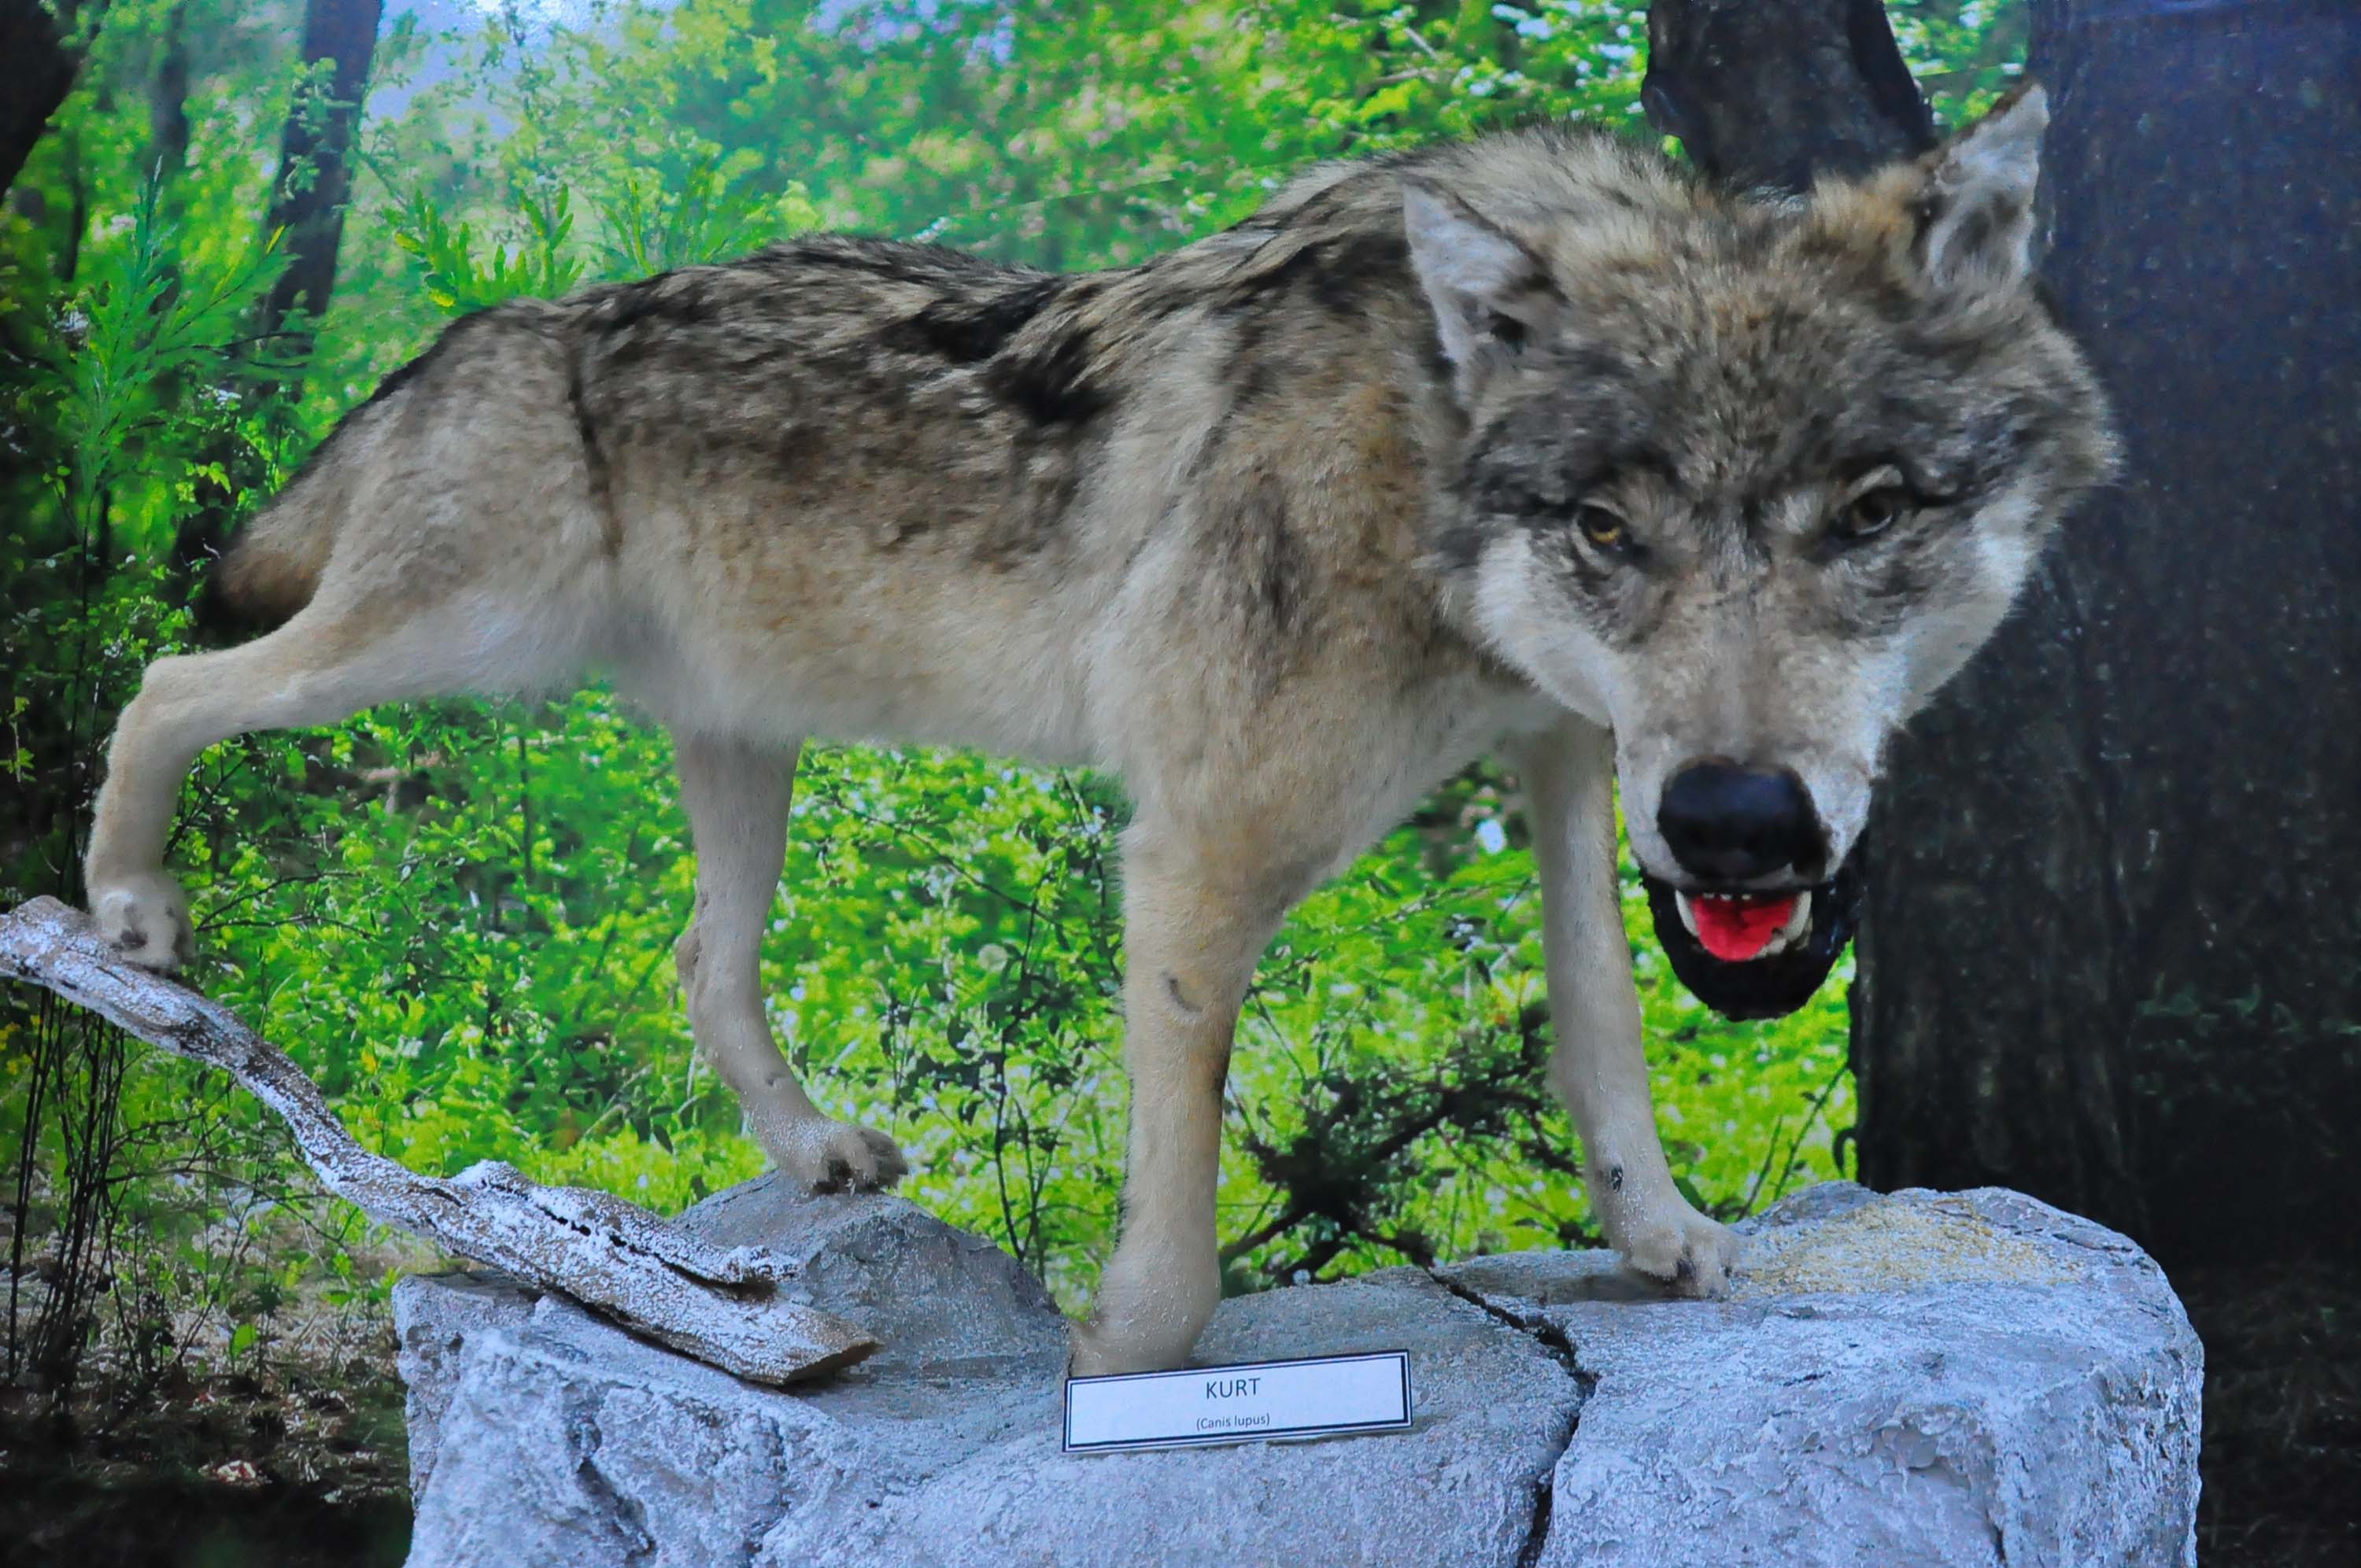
(1535, 441)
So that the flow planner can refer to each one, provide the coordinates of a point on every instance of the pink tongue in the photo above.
(1735, 930)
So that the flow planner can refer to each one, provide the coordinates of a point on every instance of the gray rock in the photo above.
(882, 1263)
(540, 1434)
(1492, 1410)
(1912, 1379)
(1968, 1378)
(435, 1317)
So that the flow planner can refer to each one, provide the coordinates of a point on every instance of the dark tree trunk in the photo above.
(39, 55)
(2113, 949)
(1772, 92)
(315, 180)
(315, 164)
(168, 102)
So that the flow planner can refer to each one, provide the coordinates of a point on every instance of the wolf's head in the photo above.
(1747, 481)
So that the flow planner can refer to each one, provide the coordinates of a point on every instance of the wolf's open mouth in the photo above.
(1737, 927)
(1756, 955)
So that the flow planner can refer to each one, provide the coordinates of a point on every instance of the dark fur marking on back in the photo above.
(1050, 382)
(965, 331)
(1362, 263)
(1251, 382)
(1247, 372)
(1259, 554)
(888, 260)
(1280, 585)
(1338, 273)
(673, 298)
(594, 455)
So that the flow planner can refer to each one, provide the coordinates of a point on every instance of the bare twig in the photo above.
(735, 1307)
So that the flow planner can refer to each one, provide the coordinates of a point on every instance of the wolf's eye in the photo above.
(1600, 526)
(1872, 512)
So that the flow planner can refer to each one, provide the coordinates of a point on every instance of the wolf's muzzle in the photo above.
(1728, 825)
(1778, 983)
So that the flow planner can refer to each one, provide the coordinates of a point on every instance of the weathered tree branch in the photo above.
(734, 1308)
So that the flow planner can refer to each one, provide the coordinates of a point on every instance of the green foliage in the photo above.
(653, 228)
(1965, 53)
(459, 916)
(116, 394)
(142, 318)
(457, 281)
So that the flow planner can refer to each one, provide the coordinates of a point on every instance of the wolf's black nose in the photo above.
(1728, 824)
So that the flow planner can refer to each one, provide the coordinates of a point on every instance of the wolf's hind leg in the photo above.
(327, 663)
(737, 797)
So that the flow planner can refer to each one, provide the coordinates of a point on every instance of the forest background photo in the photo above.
(234, 221)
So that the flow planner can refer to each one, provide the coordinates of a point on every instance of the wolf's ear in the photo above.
(1975, 215)
(1488, 293)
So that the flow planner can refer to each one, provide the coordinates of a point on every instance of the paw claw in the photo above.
(144, 918)
(1092, 1350)
(837, 1157)
(1693, 1255)
(1087, 1356)
(1154, 1300)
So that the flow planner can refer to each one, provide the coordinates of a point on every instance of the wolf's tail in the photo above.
(273, 568)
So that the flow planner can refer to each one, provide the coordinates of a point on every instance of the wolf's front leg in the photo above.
(1599, 1063)
(737, 798)
(1195, 920)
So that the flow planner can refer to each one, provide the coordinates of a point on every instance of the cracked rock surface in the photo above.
(1919, 1378)
(1925, 1378)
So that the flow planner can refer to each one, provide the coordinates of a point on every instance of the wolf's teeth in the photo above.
(1797, 925)
(1800, 920)
(1689, 916)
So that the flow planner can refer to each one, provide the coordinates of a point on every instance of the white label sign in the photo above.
(1239, 1404)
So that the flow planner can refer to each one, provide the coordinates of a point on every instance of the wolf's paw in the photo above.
(145, 917)
(1091, 1354)
(837, 1157)
(1095, 1350)
(1153, 1303)
(1693, 1255)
